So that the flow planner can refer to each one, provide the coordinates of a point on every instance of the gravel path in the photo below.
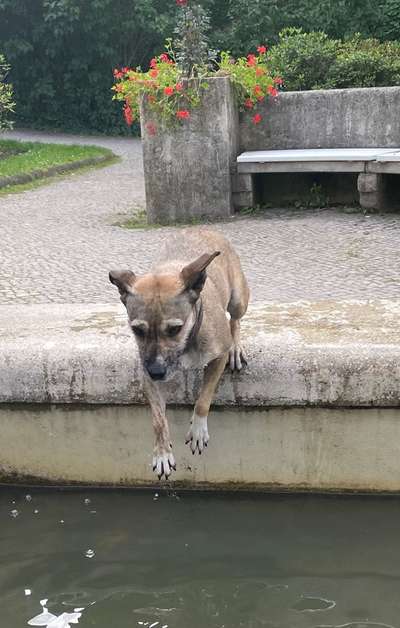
(58, 241)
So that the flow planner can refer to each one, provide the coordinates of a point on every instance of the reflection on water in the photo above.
(200, 561)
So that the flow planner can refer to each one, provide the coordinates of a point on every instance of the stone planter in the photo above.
(188, 168)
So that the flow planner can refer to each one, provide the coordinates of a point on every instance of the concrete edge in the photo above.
(330, 354)
(27, 177)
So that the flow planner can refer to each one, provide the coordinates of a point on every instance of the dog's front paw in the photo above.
(163, 461)
(198, 436)
(237, 358)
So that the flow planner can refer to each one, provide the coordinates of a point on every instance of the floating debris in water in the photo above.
(36, 512)
(28, 498)
(55, 621)
(62, 521)
(28, 592)
(14, 513)
(93, 512)
(89, 553)
(87, 501)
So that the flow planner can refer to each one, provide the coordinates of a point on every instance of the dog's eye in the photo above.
(173, 330)
(140, 332)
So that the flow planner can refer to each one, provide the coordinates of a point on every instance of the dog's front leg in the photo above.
(198, 436)
(163, 459)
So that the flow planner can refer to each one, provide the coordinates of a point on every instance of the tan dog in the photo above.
(178, 314)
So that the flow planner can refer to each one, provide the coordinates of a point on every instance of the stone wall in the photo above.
(336, 118)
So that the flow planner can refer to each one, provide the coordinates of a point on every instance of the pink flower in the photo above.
(153, 62)
(251, 60)
(257, 118)
(248, 103)
(118, 74)
(183, 114)
(179, 87)
(165, 58)
(181, 3)
(272, 91)
(278, 80)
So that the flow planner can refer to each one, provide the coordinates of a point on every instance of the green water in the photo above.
(200, 560)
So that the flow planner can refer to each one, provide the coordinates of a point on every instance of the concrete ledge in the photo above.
(337, 354)
(339, 360)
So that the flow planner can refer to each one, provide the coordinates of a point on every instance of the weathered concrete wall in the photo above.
(295, 449)
(328, 353)
(337, 118)
(322, 392)
(188, 169)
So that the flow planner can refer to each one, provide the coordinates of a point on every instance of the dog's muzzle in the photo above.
(157, 369)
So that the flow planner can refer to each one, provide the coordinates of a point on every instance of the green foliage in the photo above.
(191, 39)
(314, 61)
(303, 59)
(6, 96)
(62, 52)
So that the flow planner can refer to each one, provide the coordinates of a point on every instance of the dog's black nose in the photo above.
(156, 369)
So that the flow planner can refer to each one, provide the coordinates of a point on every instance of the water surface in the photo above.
(200, 560)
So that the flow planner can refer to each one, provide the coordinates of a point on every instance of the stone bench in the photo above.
(370, 163)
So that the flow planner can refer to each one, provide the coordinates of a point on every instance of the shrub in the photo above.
(314, 61)
(303, 59)
(6, 96)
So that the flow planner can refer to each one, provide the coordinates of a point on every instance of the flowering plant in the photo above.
(174, 83)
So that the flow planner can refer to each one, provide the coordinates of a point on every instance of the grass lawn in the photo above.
(35, 158)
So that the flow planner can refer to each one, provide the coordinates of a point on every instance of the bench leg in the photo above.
(372, 191)
(243, 191)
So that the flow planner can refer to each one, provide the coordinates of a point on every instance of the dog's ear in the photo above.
(124, 280)
(194, 274)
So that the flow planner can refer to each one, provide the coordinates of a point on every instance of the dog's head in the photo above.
(163, 312)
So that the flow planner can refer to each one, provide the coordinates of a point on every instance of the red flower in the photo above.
(251, 60)
(257, 89)
(179, 87)
(262, 50)
(118, 74)
(165, 58)
(128, 114)
(183, 114)
(151, 128)
(168, 91)
(153, 62)
(124, 70)
(272, 91)
(257, 118)
(260, 71)
(153, 73)
(181, 3)
(278, 80)
(260, 98)
(248, 103)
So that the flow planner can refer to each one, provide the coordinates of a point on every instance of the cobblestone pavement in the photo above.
(58, 242)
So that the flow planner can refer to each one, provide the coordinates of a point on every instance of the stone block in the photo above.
(188, 168)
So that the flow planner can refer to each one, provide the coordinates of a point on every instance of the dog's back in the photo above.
(225, 272)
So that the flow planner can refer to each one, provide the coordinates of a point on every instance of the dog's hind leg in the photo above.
(163, 459)
(198, 436)
(237, 308)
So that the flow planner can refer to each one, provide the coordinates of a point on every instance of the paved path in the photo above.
(57, 242)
